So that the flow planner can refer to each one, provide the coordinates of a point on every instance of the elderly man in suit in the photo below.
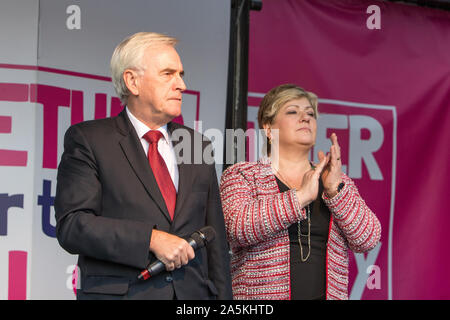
(125, 199)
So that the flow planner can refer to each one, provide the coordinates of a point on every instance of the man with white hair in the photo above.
(125, 199)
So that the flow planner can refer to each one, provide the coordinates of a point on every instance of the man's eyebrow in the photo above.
(171, 71)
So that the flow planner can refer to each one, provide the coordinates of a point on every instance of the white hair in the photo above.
(128, 55)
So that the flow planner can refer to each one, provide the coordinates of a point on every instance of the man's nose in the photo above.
(180, 85)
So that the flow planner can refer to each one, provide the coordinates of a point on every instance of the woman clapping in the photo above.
(290, 222)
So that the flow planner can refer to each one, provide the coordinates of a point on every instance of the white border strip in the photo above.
(394, 165)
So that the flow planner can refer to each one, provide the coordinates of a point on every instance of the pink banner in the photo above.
(382, 73)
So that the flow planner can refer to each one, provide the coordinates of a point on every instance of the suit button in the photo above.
(169, 279)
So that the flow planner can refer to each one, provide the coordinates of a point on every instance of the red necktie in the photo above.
(160, 171)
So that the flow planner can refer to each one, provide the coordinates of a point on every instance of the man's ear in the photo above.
(131, 79)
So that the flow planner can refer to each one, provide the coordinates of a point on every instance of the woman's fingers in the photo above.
(335, 148)
(321, 155)
(334, 155)
(323, 161)
(334, 139)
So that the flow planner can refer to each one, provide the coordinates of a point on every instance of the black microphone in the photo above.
(197, 240)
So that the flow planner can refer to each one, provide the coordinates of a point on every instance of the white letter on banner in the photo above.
(363, 264)
(360, 150)
(74, 20)
(374, 21)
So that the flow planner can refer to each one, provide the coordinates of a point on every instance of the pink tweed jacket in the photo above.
(257, 217)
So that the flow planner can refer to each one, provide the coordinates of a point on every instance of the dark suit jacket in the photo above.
(108, 202)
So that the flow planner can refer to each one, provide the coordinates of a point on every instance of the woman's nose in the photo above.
(304, 117)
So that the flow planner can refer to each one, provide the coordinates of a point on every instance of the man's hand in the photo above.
(171, 250)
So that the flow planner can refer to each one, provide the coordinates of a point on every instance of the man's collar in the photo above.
(141, 128)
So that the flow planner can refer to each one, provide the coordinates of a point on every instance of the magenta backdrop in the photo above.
(397, 76)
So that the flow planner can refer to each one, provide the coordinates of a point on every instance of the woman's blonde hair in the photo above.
(279, 96)
(128, 55)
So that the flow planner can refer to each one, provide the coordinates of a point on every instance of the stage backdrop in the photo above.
(54, 72)
(382, 73)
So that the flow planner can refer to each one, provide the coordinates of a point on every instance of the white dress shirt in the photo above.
(165, 147)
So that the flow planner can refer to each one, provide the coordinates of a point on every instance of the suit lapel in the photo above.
(135, 155)
(185, 170)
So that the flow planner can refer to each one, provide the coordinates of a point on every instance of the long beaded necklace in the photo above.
(308, 214)
(299, 232)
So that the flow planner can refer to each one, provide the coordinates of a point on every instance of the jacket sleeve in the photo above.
(251, 218)
(358, 223)
(218, 250)
(81, 225)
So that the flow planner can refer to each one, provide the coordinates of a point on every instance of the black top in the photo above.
(308, 278)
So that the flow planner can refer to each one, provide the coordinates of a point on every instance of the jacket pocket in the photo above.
(106, 285)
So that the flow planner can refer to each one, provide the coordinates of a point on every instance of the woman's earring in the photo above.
(267, 132)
